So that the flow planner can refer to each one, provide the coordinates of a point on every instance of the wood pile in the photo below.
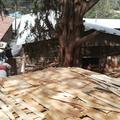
(115, 73)
(60, 94)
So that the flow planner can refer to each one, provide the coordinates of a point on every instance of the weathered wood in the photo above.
(60, 94)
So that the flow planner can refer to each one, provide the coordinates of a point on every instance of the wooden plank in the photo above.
(11, 104)
(22, 91)
(7, 110)
(3, 116)
(33, 103)
(28, 106)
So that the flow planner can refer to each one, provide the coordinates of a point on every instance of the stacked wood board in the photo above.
(115, 74)
(60, 94)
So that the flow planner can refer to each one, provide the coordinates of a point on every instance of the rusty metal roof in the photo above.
(5, 24)
(60, 94)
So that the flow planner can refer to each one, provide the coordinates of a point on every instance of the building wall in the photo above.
(8, 35)
(94, 54)
(40, 54)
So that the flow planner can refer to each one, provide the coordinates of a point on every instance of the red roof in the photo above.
(5, 23)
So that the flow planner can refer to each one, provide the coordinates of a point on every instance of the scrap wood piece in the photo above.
(28, 106)
(107, 101)
(7, 110)
(33, 103)
(54, 114)
(108, 85)
(23, 91)
(3, 116)
(67, 90)
(2, 80)
(97, 77)
(94, 114)
(37, 99)
(103, 78)
(89, 112)
(106, 82)
(114, 115)
(59, 112)
(11, 103)
(15, 83)
(87, 101)
(15, 89)
(57, 105)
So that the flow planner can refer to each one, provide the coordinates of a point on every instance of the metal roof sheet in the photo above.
(103, 25)
(110, 23)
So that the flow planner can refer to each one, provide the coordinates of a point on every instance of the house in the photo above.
(93, 52)
(100, 50)
(24, 34)
(6, 29)
(103, 51)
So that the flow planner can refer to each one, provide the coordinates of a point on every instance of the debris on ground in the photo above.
(60, 94)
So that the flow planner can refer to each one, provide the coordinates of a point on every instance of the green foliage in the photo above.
(2, 8)
(23, 6)
(105, 9)
(43, 27)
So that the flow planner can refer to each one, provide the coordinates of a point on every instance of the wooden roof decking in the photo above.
(60, 94)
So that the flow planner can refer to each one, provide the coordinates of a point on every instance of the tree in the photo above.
(72, 32)
(105, 9)
(101, 10)
(43, 25)
(69, 29)
(2, 8)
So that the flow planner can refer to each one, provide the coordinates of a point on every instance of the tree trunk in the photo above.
(71, 26)
(68, 61)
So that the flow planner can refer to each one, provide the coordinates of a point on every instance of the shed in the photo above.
(92, 52)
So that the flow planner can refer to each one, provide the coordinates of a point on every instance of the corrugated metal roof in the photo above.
(101, 28)
(102, 25)
(25, 36)
(5, 23)
(60, 94)
(110, 23)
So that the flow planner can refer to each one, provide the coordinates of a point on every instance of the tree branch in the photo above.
(48, 23)
(90, 4)
(88, 37)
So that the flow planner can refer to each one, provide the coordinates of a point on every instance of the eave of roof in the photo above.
(103, 25)
(110, 23)
(5, 24)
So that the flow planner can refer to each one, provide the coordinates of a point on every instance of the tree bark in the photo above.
(71, 33)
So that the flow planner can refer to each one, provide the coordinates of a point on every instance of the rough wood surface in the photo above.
(60, 94)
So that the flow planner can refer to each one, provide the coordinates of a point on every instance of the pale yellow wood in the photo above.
(29, 106)
(60, 94)
(3, 116)
(11, 104)
(7, 110)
